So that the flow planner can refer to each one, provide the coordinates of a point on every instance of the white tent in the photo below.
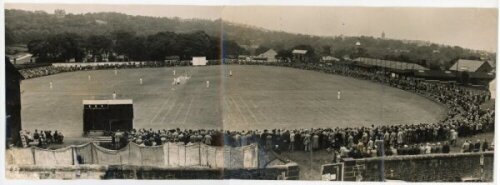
(493, 88)
(199, 61)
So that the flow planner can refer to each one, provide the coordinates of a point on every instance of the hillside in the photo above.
(24, 26)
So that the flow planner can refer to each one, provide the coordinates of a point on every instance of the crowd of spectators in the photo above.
(39, 71)
(465, 118)
(42, 138)
(50, 70)
(347, 142)
(150, 137)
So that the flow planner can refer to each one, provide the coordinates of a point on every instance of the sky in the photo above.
(474, 28)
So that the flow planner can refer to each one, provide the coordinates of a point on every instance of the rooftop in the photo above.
(107, 102)
(389, 64)
(299, 51)
(467, 65)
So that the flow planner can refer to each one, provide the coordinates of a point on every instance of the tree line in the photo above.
(30, 25)
(25, 26)
(427, 54)
(124, 45)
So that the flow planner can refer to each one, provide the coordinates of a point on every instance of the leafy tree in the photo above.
(284, 54)
(161, 45)
(327, 50)
(137, 49)
(341, 52)
(232, 48)
(99, 46)
(121, 41)
(66, 46)
(59, 48)
(9, 37)
(38, 48)
(214, 50)
(194, 44)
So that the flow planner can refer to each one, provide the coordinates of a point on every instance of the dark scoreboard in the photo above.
(107, 115)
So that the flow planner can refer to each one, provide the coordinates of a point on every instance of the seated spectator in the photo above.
(485, 146)
(477, 146)
(446, 147)
(466, 146)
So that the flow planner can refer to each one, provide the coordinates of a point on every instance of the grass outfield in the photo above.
(255, 97)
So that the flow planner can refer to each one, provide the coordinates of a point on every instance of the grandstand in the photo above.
(388, 64)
